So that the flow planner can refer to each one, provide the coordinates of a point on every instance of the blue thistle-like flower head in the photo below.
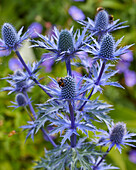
(21, 99)
(19, 82)
(11, 38)
(65, 42)
(20, 79)
(101, 20)
(102, 24)
(66, 88)
(68, 91)
(9, 35)
(107, 46)
(106, 49)
(63, 45)
(117, 135)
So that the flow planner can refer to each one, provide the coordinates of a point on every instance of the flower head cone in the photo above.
(11, 38)
(107, 48)
(68, 91)
(101, 20)
(21, 99)
(117, 135)
(65, 42)
(9, 35)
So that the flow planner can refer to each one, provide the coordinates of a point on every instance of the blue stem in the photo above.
(42, 129)
(30, 105)
(68, 66)
(103, 157)
(87, 98)
(73, 136)
(101, 72)
(96, 83)
(30, 74)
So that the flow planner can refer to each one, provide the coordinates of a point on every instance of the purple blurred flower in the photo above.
(35, 27)
(130, 78)
(82, 54)
(132, 156)
(77, 76)
(49, 61)
(76, 13)
(124, 63)
(122, 66)
(15, 64)
(127, 56)
(4, 52)
(85, 60)
(51, 32)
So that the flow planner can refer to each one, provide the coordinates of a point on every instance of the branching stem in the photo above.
(30, 74)
(35, 117)
(103, 157)
(68, 66)
(73, 136)
(96, 83)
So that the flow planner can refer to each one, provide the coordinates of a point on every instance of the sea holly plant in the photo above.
(70, 110)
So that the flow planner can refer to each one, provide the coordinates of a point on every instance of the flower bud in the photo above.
(21, 99)
(107, 46)
(19, 73)
(20, 80)
(9, 35)
(117, 133)
(68, 90)
(101, 20)
(65, 42)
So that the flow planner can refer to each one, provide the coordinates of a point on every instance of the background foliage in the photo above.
(14, 153)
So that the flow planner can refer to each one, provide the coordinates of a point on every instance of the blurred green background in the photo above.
(14, 153)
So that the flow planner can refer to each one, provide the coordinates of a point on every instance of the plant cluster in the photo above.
(70, 110)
